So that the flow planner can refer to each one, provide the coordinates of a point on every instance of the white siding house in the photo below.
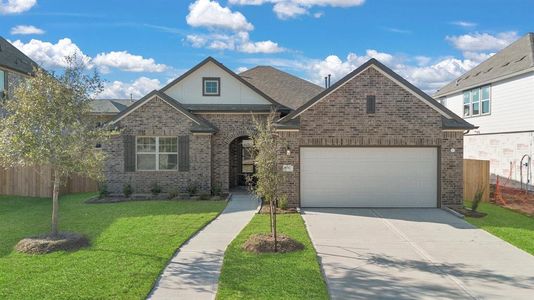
(498, 97)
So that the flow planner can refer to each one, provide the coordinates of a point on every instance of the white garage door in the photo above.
(368, 177)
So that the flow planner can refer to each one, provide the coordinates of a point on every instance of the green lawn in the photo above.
(272, 276)
(513, 227)
(131, 243)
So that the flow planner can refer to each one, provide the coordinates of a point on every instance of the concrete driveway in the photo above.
(415, 254)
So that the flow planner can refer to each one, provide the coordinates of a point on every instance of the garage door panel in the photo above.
(368, 177)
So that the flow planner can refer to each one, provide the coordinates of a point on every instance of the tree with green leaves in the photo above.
(47, 123)
(268, 177)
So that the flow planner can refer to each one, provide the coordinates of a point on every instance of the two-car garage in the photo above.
(369, 176)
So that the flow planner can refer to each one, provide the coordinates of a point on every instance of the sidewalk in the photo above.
(193, 273)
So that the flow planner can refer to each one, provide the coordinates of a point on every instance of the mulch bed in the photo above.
(469, 213)
(149, 197)
(264, 243)
(64, 241)
(266, 209)
(515, 199)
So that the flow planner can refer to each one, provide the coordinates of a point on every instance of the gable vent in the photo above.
(371, 104)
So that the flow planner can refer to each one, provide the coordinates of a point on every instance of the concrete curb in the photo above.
(453, 212)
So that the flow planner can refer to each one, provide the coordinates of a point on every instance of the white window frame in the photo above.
(205, 82)
(157, 153)
(480, 100)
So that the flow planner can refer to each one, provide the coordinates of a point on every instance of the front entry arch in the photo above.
(241, 163)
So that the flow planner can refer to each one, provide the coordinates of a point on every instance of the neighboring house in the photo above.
(14, 67)
(498, 96)
(370, 140)
(104, 110)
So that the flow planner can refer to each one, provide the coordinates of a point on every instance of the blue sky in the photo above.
(141, 45)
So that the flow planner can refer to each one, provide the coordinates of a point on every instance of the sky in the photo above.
(139, 46)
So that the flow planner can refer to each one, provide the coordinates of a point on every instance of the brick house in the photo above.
(371, 139)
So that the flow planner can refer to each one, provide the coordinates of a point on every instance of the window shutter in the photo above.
(183, 153)
(129, 153)
(371, 104)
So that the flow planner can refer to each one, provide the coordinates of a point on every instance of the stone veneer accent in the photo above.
(401, 119)
(157, 118)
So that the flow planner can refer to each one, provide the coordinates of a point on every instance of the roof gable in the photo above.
(188, 87)
(373, 63)
(513, 60)
(200, 124)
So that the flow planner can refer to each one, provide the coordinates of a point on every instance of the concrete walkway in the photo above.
(415, 254)
(193, 272)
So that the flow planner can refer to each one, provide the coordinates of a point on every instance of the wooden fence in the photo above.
(476, 175)
(37, 182)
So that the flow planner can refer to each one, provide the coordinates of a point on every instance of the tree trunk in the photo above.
(274, 227)
(55, 204)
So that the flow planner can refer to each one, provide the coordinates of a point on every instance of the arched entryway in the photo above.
(241, 161)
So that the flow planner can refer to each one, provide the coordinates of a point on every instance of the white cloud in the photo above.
(241, 70)
(125, 61)
(464, 24)
(286, 9)
(26, 29)
(235, 42)
(338, 68)
(135, 89)
(424, 72)
(15, 6)
(476, 42)
(50, 55)
(210, 14)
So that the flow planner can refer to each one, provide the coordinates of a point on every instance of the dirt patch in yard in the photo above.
(469, 213)
(64, 241)
(264, 243)
(514, 199)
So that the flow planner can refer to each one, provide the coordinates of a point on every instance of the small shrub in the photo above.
(282, 202)
(127, 190)
(103, 190)
(155, 189)
(192, 189)
(173, 193)
(204, 196)
(477, 198)
(216, 189)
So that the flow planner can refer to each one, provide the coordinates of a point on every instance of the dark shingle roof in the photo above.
(12, 58)
(197, 108)
(110, 106)
(283, 87)
(517, 57)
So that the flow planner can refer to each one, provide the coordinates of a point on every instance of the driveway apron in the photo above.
(415, 254)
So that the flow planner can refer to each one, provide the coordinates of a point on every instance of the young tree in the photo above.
(47, 123)
(268, 177)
